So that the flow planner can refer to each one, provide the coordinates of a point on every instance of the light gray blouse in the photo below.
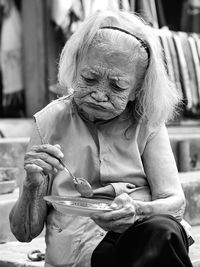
(115, 152)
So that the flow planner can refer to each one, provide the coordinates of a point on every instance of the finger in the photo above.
(121, 200)
(118, 225)
(31, 168)
(50, 149)
(131, 186)
(51, 160)
(58, 146)
(127, 211)
(42, 158)
(46, 167)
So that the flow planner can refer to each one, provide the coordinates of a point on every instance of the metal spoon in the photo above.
(81, 184)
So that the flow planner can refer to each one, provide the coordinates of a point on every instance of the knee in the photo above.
(163, 228)
(162, 222)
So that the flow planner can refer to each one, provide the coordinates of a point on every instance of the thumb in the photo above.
(120, 201)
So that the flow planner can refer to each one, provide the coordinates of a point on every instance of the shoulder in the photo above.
(53, 116)
(60, 105)
(146, 132)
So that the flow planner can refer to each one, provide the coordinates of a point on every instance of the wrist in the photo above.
(35, 182)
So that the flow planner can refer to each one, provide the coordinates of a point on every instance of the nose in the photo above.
(99, 96)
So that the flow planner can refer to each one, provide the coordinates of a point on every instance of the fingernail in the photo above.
(57, 145)
(55, 170)
(130, 186)
(61, 155)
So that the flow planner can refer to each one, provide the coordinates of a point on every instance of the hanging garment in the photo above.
(147, 9)
(185, 73)
(125, 4)
(196, 64)
(174, 59)
(87, 6)
(59, 12)
(185, 47)
(168, 58)
(132, 5)
(67, 15)
(11, 52)
(190, 21)
(160, 14)
(197, 42)
(172, 11)
(90, 7)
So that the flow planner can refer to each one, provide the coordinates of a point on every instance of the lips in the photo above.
(96, 106)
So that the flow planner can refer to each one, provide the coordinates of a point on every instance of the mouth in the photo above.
(96, 106)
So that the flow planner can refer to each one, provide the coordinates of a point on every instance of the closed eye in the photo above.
(89, 81)
(116, 87)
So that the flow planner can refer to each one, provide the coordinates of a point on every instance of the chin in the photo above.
(93, 116)
(102, 118)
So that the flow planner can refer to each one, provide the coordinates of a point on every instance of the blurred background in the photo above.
(32, 34)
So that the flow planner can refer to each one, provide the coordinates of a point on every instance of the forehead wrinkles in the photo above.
(104, 70)
(114, 63)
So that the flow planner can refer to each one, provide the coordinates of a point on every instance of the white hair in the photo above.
(157, 97)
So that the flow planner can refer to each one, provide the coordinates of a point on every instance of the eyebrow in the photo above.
(113, 76)
(88, 70)
(120, 78)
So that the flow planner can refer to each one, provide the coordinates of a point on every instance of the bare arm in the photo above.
(163, 178)
(28, 215)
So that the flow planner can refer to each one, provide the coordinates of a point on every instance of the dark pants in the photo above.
(158, 241)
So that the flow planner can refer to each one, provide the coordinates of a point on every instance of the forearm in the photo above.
(28, 215)
(173, 205)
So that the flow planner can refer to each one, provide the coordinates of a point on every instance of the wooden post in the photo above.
(35, 54)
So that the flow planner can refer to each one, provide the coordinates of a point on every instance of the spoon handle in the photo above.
(68, 171)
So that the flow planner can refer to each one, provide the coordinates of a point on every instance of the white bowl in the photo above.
(79, 206)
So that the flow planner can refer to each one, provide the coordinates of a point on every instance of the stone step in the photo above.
(10, 175)
(14, 254)
(12, 151)
(191, 185)
(12, 128)
(7, 187)
(6, 203)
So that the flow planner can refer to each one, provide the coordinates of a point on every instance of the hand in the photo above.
(42, 160)
(120, 218)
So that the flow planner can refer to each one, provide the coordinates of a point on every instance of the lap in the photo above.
(145, 237)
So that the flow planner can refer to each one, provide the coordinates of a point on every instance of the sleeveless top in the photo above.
(103, 153)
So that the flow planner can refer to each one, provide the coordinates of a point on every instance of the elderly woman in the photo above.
(110, 130)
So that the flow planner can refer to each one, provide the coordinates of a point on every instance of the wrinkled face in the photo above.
(104, 84)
